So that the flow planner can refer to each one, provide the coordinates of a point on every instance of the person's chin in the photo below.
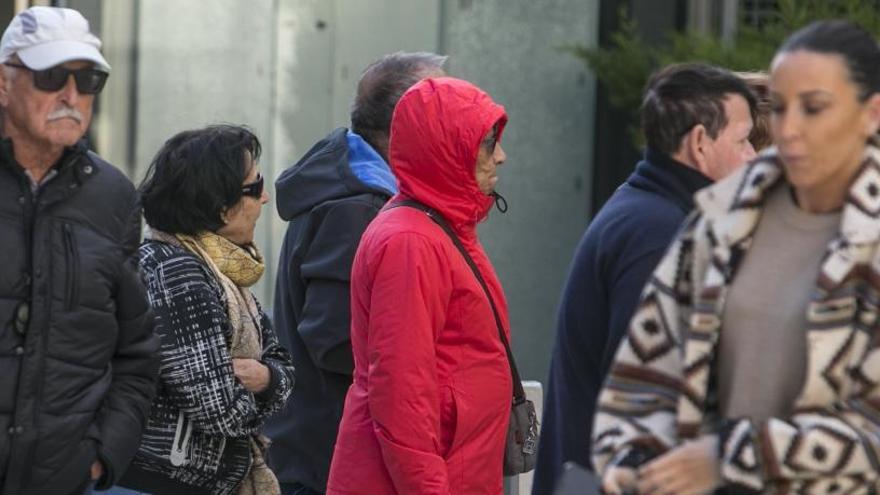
(247, 241)
(801, 179)
(67, 136)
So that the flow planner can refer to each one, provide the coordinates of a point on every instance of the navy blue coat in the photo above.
(613, 261)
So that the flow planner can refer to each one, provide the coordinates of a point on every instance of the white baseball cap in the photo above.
(44, 37)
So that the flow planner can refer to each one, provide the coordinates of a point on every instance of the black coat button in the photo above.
(22, 317)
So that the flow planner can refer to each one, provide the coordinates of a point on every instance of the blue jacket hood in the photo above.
(340, 165)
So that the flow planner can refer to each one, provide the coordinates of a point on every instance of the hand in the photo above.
(253, 375)
(618, 480)
(689, 469)
(96, 471)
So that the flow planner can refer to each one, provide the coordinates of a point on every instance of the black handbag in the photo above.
(520, 450)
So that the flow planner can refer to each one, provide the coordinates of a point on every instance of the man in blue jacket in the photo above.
(696, 120)
(329, 197)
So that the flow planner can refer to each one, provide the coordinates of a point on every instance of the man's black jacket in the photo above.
(329, 197)
(77, 352)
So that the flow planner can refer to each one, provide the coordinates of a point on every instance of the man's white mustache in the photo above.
(66, 112)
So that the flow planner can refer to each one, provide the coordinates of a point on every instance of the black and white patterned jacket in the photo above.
(202, 418)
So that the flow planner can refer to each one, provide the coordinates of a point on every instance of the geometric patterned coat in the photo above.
(656, 394)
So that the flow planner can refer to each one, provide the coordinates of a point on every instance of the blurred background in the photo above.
(288, 69)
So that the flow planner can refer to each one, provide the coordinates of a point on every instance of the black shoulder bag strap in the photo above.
(519, 395)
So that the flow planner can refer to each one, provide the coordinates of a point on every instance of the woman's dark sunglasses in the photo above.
(89, 81)
(254, 189)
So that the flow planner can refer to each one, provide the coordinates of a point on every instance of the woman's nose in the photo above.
(500, 155)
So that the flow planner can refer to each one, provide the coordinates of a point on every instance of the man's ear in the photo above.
(4, 86)
(691, 149)
(697, 140)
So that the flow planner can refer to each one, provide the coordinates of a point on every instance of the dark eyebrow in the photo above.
(815, 92)
(774, 95)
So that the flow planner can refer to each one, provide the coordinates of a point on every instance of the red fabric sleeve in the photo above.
(408, 302)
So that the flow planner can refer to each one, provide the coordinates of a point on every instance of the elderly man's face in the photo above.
(56, 118)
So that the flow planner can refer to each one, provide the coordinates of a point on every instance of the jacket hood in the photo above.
(436, 132)
(340, 165)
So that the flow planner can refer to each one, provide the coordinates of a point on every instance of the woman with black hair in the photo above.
(753, 362)
(223, 371)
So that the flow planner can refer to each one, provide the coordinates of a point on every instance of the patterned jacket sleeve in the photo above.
(196, 368)
(828, 450)
(636, 414)
(281, 370)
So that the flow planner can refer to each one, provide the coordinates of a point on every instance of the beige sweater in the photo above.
(762, 354)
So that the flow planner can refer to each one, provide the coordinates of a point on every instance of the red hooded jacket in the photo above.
(428, 410)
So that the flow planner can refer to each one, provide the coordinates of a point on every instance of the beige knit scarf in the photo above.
(237, 268)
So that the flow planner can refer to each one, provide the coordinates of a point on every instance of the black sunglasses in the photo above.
(89, 81)
(254, 189)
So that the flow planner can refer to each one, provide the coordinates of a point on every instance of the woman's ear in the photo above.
(872, 124)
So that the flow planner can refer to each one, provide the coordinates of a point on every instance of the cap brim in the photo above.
(46, 55)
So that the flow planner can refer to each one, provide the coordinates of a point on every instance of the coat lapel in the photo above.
(731, 211)
(843, 307)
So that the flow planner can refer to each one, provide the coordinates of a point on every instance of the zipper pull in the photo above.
(181, 439)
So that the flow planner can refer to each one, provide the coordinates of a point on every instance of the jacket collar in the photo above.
(368, 165)
(661, 174)
(74, 168)
(733, 207)
(730, 213)
(70, 155)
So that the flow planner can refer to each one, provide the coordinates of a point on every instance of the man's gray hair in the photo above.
(381, 86)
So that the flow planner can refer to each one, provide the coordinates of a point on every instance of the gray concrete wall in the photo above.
(203, 65)
(198, 66)
(288, 69)
(285, 68)
(321, 47)
(510, 49)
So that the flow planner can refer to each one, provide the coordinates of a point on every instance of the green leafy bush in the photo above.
(625, 64)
